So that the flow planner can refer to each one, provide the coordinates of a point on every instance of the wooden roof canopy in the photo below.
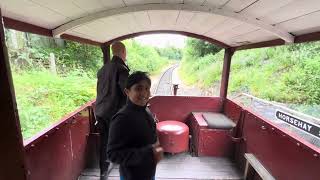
(238, 24)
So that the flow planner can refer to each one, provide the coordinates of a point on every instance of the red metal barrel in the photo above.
(173, 136)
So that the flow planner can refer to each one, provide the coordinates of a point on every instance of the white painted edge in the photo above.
(288, 110)
(178, 7)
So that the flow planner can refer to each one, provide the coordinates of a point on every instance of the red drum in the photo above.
(173, 136)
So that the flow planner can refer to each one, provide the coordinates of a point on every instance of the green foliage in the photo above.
(289, 74)
(200, 48)
(68, 55)
(144, 58)
(202, 71)
(171, 53)
(201, 63)
(72, 56)
(43, 98)
(304, 79)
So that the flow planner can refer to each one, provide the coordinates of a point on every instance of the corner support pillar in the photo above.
(228, 53)
(12, 152)
(106, 53)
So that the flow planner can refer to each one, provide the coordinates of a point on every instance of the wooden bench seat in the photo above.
(218, 121)
(253, 162)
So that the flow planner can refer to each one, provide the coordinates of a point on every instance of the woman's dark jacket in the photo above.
(110, 88)
(132, 133)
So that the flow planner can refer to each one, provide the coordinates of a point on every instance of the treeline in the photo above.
(29, 52)
(32, 52)
(288, 74)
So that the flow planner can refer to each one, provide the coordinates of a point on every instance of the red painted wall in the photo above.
(178, 108)
(60, 151)
(285, 155)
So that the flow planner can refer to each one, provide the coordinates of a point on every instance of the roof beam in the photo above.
(80, 40)
(309, 37)
(276, 42)
(205, 38)
(179, 7)
(26, 27)
(315, 36)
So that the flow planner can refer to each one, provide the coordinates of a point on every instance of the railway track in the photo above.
(164, 86)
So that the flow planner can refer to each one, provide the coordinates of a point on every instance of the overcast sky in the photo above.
(162, 40)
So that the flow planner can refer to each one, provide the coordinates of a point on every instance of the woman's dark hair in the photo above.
(136, 77)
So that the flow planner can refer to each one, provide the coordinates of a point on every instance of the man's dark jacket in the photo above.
(131, 135)
(110, 88)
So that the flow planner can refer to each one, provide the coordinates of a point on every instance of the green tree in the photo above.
(144, 58)
(200, 48)
(170, 52)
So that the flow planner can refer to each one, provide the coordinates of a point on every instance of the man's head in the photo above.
(118, 49)
(138, 88)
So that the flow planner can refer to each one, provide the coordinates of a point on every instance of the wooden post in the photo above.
(106, 53)
(14, 39)
(53, 68)
(12, 153)
(225, 72)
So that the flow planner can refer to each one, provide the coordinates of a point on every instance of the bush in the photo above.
(144, 58)
(43, 98)
(288, 74)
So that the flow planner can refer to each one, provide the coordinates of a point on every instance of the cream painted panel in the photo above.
(135, 2)
(114, 27)
(173, 1)
(238, 30)
(160, 28)
(177, 28)
(238, 5)
(26, 11)
(292, 10)
(163, 18)
(66, 8)
(112, 3)
(194, 2)
(304, 24)
(216, 3)
(203, 22)
(100, 28)
(184, 18)
(218, 38)
(129, 21)
(252, 37)
(90, 30)
(85, 36)
(92, 6)
(223, 26)
(263, 7)
(142, 19)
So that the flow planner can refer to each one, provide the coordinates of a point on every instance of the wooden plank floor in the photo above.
(183, 166)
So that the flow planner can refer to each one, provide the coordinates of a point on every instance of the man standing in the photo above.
(110, 97)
